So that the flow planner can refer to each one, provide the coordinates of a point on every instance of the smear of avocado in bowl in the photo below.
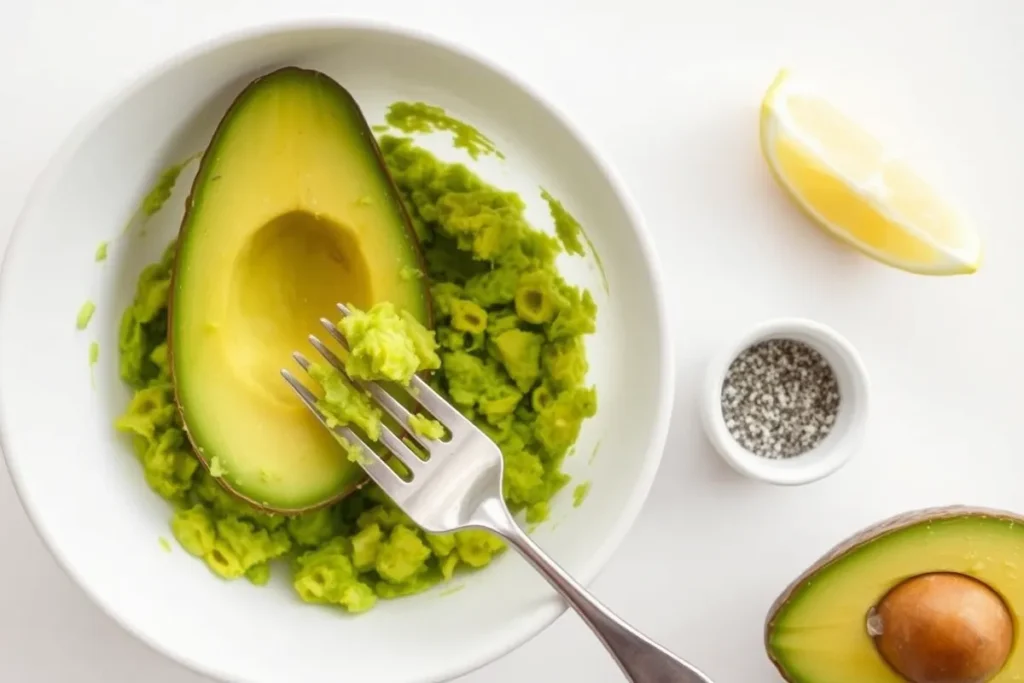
(485, 309)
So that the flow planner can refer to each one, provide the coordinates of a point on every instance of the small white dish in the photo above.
(835, 449)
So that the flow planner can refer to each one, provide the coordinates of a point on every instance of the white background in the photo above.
(668, 89)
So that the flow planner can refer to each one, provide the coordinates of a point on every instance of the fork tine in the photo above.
(374, 465)
(421, 392)
(378, 470)
(305, 394)
(400, 450)
(445, 412)
(335, 333)
(327, 354)
(388, 402)
(388, 437)
(301, 360)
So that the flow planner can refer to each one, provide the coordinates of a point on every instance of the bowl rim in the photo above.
(826, 458)
(545, 613)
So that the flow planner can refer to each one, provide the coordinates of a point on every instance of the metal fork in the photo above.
(459, 487)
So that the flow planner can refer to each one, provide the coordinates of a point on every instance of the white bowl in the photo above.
(83, 488)
(835, 449)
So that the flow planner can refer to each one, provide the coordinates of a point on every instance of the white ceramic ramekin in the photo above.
(835, 449)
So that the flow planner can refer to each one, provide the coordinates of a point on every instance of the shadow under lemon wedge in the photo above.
(850, 185)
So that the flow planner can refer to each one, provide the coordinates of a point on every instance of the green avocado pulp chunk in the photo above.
(387, 344)
(819, 634)
(383, 345)
(419, 117)
(359, 549)
(292, 212)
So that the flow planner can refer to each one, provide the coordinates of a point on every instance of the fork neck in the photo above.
(494, 516)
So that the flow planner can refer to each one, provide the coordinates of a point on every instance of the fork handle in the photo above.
(640, 658)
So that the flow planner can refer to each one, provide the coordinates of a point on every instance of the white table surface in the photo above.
(669, 90)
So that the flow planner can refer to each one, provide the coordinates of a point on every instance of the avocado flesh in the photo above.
(817, 631)
(291, 212)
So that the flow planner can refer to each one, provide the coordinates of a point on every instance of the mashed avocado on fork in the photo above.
(507, 350)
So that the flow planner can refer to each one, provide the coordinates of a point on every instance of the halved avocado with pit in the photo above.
(933, 596)
(292, 210)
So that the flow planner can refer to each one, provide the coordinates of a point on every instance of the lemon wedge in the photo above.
(852, 187)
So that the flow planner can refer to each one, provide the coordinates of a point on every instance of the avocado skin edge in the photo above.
(372, 140)
(867, 535)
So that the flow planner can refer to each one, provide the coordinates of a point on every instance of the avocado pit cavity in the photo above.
(291, 273)
(943, 628)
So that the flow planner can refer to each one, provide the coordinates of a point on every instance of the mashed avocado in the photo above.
(386, 344)
(579, 494)
(425, 426)
(418, 117)
(566, 226)
(507, 349)
(154, 199)
(343, 404)
(161, 190)
(85, 315)
(570, 231)
(94, 357)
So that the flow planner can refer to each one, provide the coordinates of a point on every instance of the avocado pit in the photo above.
(943, 628)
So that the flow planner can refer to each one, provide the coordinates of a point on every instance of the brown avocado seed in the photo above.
(944, 628)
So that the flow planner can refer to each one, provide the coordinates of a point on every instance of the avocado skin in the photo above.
(426, 317)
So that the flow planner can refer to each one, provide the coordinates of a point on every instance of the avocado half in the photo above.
(292, 210)
(932, 596)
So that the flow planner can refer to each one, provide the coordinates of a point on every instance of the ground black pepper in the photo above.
(780, 398)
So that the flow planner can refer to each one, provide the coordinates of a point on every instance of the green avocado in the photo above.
(292, 211)
(932, 596)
